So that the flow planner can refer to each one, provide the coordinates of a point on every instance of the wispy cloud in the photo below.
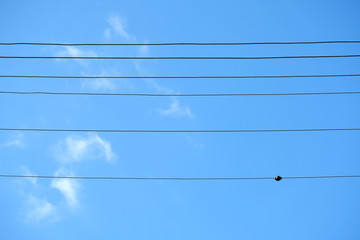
(118, 27)
(143, 50)
(176, 110)
(16, 140)
(40, 209)
(100, 84)
(195, 143)
(106, 84)
(25, 171)
(107, 34)
(37, 207)
(77, 149)
(71, 51)
(67, 187)
(14, 143)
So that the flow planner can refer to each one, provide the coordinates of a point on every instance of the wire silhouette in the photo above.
(179, 58)
(179, 131)
(169, 77)
(182, 43)
(178, 95)
(277, 178)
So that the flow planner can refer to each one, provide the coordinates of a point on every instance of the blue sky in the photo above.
(290, 209)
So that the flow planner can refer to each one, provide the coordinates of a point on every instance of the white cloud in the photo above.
(106, 84)
(36, 208)
(71, 51)
(100, 84)
(195, 144)
(155, 85)
(25, 171)
(143, 50)
(17, 140)
(176, 110)
(118, 26)
(14, 143)
(77, 149)
(68, 188)
(40, 209)
(107, 34)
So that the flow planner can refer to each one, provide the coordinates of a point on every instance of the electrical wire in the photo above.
(255, 76)
(178, 95)
(179, 58)
(306, 177)
(173, 178)
(179, 131)
(130, 178)
(181, 43)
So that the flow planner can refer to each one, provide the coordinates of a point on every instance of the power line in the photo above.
(177, 95)
(255, 76)
(179, 58)
(306, 177)
(131, 178)
(277, 178)
(181, 43)
(179, 131)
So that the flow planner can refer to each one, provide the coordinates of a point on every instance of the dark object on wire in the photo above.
(277, 178)
(182, 43)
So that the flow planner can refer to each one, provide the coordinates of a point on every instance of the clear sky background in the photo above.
(258, 209)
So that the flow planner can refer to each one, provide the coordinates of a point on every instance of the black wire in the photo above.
(259, 76)
(178, 95)
(172, 178)
(179, 131)
(179, 58)
(133, 178)
(181, 43)
(305, 177)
